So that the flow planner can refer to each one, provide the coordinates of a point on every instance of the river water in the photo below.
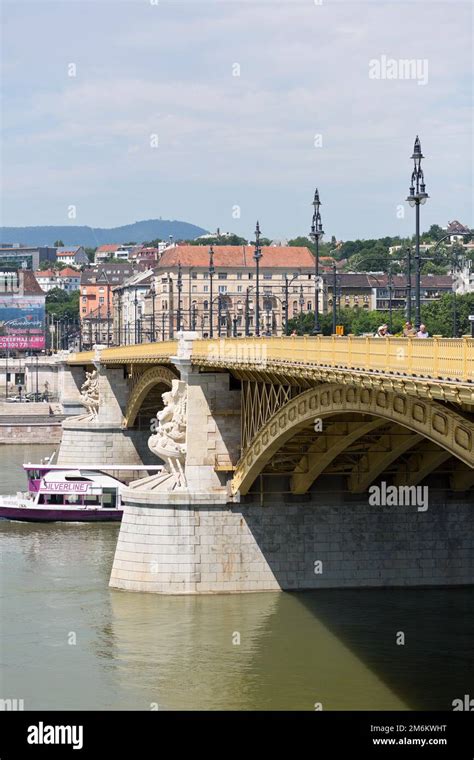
(68, 641)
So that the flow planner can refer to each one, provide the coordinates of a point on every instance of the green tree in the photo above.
(63, 305)
(59, 244)
(438, 315)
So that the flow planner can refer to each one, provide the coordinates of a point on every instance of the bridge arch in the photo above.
(425, 417)
(155, 376)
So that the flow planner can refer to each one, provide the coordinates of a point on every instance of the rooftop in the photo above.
(284, 257)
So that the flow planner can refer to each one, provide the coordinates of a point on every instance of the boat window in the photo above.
(72, 498)
(109, 498)
(92, 500)
(51, 498)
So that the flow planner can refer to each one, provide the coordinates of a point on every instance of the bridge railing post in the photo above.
(410, 354)
(466, 341)
(436, 371)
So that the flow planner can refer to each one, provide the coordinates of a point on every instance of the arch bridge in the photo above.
(347, 407)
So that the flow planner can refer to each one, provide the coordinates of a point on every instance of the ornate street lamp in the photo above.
(219, 314)
(136, 315)
(179, 286)
(417, 196)
(247, 312)
(211, 271)
(315, 234)
(286, 303)
(334, 297)
(152, 293)
(257, 256)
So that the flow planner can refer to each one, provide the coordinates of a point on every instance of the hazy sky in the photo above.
(158, 71)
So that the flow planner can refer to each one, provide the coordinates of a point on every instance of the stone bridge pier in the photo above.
(189, 536)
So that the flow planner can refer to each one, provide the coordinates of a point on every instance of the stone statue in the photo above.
(169, 441)
(90, 393)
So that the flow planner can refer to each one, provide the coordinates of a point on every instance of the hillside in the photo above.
(91, 237)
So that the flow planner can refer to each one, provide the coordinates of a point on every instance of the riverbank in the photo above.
(30, 423)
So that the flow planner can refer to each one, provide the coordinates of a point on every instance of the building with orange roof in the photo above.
(182, 289)
(67, 279)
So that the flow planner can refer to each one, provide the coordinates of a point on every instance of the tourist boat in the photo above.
(59, 493)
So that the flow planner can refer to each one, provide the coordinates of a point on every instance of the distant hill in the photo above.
(91, 237)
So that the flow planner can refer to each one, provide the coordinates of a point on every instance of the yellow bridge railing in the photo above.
(442, 358)
(140, 353)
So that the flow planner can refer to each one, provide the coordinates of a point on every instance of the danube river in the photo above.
(70, 642)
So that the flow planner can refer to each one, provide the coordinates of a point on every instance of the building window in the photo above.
(250, 275)
(239, 288)
(206, 305)
(206, 288)
(267, 276)
(222, 276)
(222, 288)
(84, 311)
(239, 275)
(194, 288)
(205, 276)
(84, 299)
(309, 306)
(194, 275)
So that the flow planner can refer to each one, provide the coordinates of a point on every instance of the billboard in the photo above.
(22, 320)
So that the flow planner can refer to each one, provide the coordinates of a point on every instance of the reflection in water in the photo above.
(132, 650)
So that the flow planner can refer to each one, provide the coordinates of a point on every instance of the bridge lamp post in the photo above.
(286, 304)
(108, 317)
(247, 310)
(152, 293)
(390, 296)
(219, 314)
(315, 234)
(408, 286)
(179, 287)
(417, 196)
(119, 297)
(334, 297)
(211, 270)
(136, 315)
(267, 305)
(257, 256)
